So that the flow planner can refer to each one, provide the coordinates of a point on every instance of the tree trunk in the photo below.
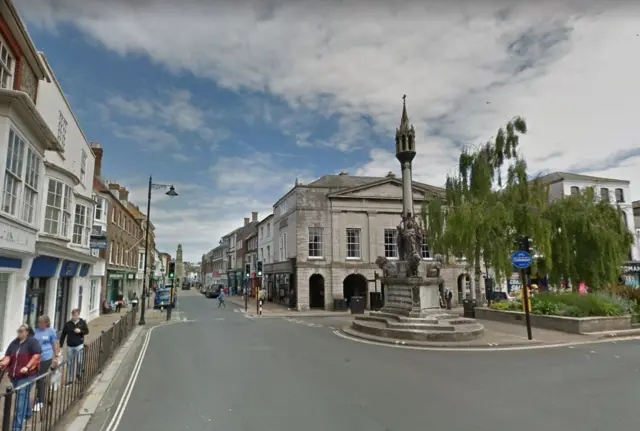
(478, 276)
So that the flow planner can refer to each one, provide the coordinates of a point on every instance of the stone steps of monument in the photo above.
(465, 332)
(427, 326)
(450, 319)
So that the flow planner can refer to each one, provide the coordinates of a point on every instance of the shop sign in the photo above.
(14, 238)
(98, 242)
(115, 275)
(131, 276)
(631, 267)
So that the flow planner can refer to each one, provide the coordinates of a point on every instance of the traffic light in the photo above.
(247, 270)
(526, 244)
(172, 269)
(259, 271)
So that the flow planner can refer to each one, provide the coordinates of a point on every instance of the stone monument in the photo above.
(412, 300)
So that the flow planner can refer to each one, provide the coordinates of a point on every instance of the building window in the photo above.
(6, 66)
(66, 211)
(619, 196)
(81, 230)
(93, 295)
(390, 243)
(283, 246)
(268, 254)
(315, 242)
(83, 167)
(52, 213)
(425, 249)
(353, 243)
(604, 194)
(62, 129)
(13, 173)
(111, 253)
(99, 208)
(268, 229)
(575, 191)
(141, 261)
(31, 180)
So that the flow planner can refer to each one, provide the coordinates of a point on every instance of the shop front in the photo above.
(280, 283)
(115, 285)
(17, 250)
(631, 274)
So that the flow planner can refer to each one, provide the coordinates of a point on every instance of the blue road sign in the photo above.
(521, 259)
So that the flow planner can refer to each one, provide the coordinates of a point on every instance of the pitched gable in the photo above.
(389, 188)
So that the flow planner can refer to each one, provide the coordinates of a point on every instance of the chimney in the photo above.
(124, 194)
(246, 221)
(114, 187)
(254, 216)
(96, 148)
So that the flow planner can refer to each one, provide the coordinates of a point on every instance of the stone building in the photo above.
(124, 235)
(142, 255)
(265, 242)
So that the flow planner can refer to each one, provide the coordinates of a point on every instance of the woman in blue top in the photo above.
(48, 340)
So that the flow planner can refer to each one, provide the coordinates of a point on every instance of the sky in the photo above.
(231, 101)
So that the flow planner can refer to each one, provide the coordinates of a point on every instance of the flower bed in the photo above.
(568, 312)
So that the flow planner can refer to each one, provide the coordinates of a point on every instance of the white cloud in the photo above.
(567, 67)
(149, 137)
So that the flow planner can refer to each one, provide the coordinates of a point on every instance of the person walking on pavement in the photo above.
(22, 360)
(48, 340)
(134, 301)
(221, 299)
(73, 332)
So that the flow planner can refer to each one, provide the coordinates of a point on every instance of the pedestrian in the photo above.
(48, 340)
(73, 332)
(221, 299)
(134, 301)
(119, 304)
(22, 360)
(449, 298)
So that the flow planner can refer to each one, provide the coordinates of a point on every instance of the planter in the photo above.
(572, 325)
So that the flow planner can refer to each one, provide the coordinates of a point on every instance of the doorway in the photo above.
(354, 285)
(316, 291)
(62, 302)
(34, 300)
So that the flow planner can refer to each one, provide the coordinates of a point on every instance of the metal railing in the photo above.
(41, 404)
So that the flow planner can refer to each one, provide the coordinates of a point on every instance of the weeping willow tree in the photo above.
(474, 221)
(589, 240)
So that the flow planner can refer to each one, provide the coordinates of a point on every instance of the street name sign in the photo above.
(521, 259)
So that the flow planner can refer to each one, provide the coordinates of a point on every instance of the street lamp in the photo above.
(172, 192)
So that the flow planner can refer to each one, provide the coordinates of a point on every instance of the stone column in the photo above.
(407, 189)
(14, 312)
(50, 299)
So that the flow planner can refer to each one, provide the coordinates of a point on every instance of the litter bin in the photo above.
(375, 299)
(469, 306)
(339, 305)
(357, 304)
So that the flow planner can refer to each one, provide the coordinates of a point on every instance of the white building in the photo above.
(99, 240)
(612, 190)
(67, 216)
(24, 138)
(329, 234)
(265, 242)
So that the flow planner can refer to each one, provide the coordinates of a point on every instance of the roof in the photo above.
(98, 186)
(348, 182)
(265, 219)
(556, 177)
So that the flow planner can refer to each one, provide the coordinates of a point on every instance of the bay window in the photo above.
(57, 214)
(20, 194)
(82, 225)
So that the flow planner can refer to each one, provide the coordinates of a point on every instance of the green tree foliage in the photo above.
(474, 222)
(589, 240)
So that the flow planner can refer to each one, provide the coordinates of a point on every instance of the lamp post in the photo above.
(171, 192)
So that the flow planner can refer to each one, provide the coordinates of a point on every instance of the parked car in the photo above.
(212, 292)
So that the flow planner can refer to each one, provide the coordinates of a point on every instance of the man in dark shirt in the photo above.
(73, 333)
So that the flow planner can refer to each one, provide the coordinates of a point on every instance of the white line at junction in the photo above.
(485, 349)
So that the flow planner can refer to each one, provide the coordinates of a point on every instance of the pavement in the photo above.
(223, 370)
(270, 309)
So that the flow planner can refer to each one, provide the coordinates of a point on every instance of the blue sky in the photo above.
(246, 97)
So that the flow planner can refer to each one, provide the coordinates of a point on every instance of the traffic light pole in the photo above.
(525, 289)
(246, 296)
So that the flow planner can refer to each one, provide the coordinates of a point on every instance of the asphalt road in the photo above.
(230, 373)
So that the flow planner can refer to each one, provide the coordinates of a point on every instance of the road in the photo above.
(227, 372)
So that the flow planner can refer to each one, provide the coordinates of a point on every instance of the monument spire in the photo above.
(404, 120)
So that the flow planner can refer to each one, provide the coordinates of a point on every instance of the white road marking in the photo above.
(480, 349)
(122, 405)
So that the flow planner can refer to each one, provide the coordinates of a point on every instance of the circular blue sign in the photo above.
(521, 259)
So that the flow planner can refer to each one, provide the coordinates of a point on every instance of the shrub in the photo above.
(507, 306)
(573, 305)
